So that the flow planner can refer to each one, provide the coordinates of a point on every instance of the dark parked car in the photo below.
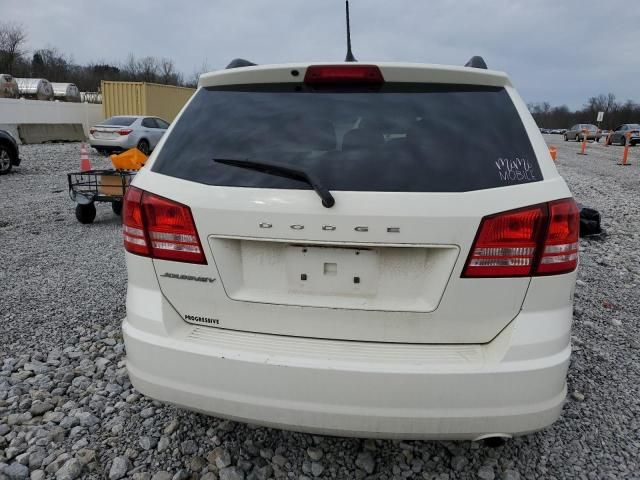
(8, 152)
(575, 132)
(619, 134)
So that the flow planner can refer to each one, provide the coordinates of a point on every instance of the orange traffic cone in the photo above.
(85, 164)
(625, 152)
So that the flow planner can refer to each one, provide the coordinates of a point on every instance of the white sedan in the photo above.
(124, 132)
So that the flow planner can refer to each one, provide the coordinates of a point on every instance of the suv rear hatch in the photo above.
(413, 167)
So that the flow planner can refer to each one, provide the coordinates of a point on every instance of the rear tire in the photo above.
(5, 160)
(622, 141)
(117, 207)
(577, 138)
(566, 139)
(86, 213)
(144, 147)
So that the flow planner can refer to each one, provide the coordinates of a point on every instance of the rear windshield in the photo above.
(398, 138)
(119, 121)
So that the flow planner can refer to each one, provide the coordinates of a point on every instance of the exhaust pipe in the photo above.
(493, 440)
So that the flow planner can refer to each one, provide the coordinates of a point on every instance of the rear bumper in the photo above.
(513, 385)
(122, 143)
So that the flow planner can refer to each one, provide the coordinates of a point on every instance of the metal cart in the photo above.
(86, 188)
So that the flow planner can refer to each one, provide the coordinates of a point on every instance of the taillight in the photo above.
(343, 74)
(506, 244)
(160, 228)
(560, 253)
(135, 238)
(537, 240)
(124, 131)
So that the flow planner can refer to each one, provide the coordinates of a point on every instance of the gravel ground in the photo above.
(67, 409)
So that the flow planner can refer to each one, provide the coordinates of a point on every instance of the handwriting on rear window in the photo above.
(515, 170)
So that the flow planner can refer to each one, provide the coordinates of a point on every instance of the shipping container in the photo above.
(141, 98)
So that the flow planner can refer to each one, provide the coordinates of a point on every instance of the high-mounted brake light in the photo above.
(160, 228)
(537, 240)
(124, 131)
(328, 74)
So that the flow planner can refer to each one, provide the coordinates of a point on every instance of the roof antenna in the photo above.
(350, 57)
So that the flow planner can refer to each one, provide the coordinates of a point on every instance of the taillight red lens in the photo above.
(125, 131)
(135, 238)
(343, 74)
(560, 253)
(537, 240)
(171, 230)
(506, 244)
(160, 228)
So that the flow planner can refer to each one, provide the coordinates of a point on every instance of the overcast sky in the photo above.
(561, 51)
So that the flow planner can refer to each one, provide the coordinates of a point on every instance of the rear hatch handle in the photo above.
(285, 171)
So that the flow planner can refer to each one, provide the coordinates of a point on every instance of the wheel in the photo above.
(144, 147)
(566, 139)
(117, 207)
(597, 140)
(5, 160)
(577, 138)
(86, 213)
(622, 141)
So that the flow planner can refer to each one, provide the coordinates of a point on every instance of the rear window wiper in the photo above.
(285, 171)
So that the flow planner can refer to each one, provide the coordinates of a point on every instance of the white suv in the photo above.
(368, 250)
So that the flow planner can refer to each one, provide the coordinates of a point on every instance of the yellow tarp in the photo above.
(132, 159)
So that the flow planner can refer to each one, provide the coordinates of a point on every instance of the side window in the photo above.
(575, 127)
(149, 123)
(162, 124)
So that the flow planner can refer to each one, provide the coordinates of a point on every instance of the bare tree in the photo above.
(195, 76)
(148, 69)
(168, 73)
(51, 64)
(13, 37)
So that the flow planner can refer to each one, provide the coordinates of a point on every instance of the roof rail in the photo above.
(476, 62)
(240, 62)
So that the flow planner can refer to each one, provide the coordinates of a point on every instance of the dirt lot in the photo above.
(67, 409)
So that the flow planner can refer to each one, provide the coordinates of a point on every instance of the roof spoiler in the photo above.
(476, 62)
(241, 62)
